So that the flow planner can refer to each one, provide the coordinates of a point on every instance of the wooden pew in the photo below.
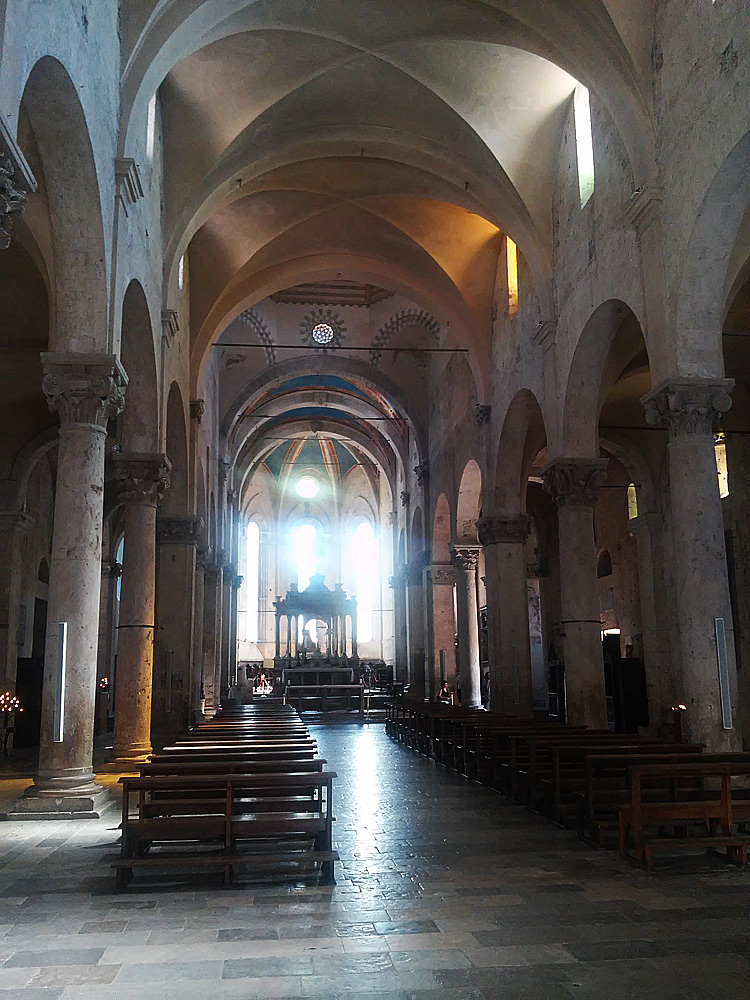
(716, 809)
(228, 809)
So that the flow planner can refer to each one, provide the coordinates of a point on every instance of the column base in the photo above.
(57, 800)
(127, 761)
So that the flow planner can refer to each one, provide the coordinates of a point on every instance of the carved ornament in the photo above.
(513, 529)
(441, 574)
(688, 405)
(574, 482)
(84, 388)
(422, 472)
(180, 529)
(465, 557)
(142, 478)
(197, 409)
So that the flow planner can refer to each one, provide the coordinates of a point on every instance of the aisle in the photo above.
(446, 892)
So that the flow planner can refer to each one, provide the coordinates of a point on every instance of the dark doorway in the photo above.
(29, 679)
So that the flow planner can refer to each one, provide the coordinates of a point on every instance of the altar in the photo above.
(327, 652)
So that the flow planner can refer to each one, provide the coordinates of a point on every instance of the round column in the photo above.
(503, 539)
(573, 484)
(143, 481)
(707, 681)
(465, 559)
(440, 579)
(85, 390)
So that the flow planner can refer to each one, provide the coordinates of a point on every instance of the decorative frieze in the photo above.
(440, 575)
(179, 529)
(142, 478)
(84, 388)
(688, 405)
(574, 482)
(496, 530)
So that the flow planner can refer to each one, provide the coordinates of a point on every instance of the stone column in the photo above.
(143, 480)
(503, 539)
(465, 558)
(111, 573)
(211, 633)
(647, 529)
(13, 526)
(397, 583)
(573, 484)
(236, 585)
(414, 573)
(440, 579)
(177, 538)
(197, 682)
(688, 408)
(85, 390)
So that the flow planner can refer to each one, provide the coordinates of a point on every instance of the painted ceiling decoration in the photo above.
(403, 320)
(320, 455)
(332, 293)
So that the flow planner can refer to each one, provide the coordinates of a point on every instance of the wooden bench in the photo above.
(717, 809)
(228, 809)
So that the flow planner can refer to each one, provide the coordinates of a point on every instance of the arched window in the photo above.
(720, 450)
(252, 564)
(632, 502)
(604, 564)
(365, 558)
(151, 129)
(584, 144)
(512, 254)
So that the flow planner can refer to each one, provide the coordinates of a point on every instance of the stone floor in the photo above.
(445, 890)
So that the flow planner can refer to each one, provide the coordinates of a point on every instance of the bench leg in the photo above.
(326, 876)
(122, 877)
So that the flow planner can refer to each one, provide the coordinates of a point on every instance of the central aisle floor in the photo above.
(446, 891)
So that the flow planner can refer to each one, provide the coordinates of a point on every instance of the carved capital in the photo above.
(180, 529)
(170, 325)
(422, 472)
(84, 388)
(465, 557)
(142, 478)
(405, 498)
(482, 414)
(197, 409)
(224, 470)
(545, 333)
(237, 581)
(574, 482)
(112, 570)
(203, 556)
(643, 207)
(512, 530)
(398, 580)
(128, 182)
(441, 574)
(17, 182)
(688, 405)
(392, 518)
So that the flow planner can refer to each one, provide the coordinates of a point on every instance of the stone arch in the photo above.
(522, 437)
(251, 319)
(702, 291)
(469, 505)
(51, 102)
(176, 498)
(441, 531)
(610, 341)
(139, 423)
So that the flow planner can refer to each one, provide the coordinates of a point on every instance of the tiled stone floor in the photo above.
(446, 892)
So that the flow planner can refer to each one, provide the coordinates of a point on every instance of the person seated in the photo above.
(444, 694)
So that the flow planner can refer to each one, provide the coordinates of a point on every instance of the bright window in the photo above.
(305, 553)
(720, 450)
(365, 558)
(181, 273)
(632, 502)
(151, 129)
(252, 547)
(584, 144)
(307, 488)
(512, 255)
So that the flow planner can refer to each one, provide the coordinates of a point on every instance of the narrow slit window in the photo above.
(720, 450)
(632, 502)
(584, 144)
(151, 129)
(512, 255)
